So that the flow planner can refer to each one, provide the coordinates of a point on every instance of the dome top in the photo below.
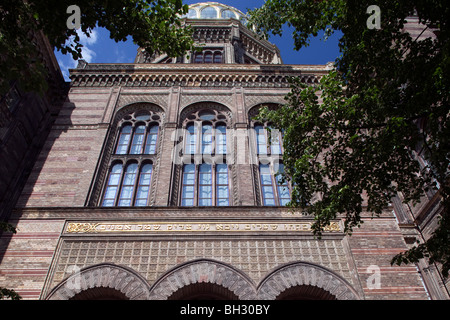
(214, 10)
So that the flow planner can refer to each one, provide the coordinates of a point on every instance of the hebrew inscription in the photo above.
(194, 227)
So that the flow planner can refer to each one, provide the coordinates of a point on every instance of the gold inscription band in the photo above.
(167, 227)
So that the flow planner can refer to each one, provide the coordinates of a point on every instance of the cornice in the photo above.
(188, 75)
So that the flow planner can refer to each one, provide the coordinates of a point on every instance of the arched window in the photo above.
(124, 139)
(152, 139)
(188, 187)
(210, 55)
(222, 185)
(283, 192)
(267, 189)
(205, 179)
(217, 57)
(267, 136)
(221, 139)
(127, 190)
(139, 133)
(198, 57)
(143, 186)
(192, 14)
(275, 191)
(208, 13)
(207, 138)
(130, 176)
(191, 139)
(276, 138)
(211, 140)
(138, 140)
(226, 14)
(113, 183)
(269, 170)
(205, 185)
(261, 141)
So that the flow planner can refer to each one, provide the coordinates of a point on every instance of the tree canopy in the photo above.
(153, 24)
(353, 142)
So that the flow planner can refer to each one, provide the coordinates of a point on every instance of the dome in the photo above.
(214, 10)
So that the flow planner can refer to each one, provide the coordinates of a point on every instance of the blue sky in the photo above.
(99, 48)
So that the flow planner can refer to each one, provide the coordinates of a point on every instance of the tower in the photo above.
(157, 182)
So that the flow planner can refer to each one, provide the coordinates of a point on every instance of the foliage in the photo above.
(353, 142)
(8, 293)
(153, 24)
(4, 292)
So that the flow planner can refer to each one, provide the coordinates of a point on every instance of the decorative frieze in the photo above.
(189, 80)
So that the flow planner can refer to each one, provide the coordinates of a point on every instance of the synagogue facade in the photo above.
(157, 182)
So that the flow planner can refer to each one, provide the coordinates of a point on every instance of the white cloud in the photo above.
(85, 40)
(87, 54)
(69, 63)
(66, 62)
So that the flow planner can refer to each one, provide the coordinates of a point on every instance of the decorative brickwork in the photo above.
(305, 274)
(203, 271)
(104, 275)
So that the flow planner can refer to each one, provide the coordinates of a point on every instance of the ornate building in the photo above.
(156, 182)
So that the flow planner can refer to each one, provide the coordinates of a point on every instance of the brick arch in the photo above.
(125, 281)
(304, 274)
(138, 106)
(254, 109)
(203, 271)
(222, 108)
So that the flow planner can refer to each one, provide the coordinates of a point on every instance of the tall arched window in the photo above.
(205, 179)
(205, 185)
(138, 139)
(136, 146)
(127, 189)
(207, 138)
(271, 188)
(221, 139)
(143, 185)
(112, 187)
(152, 139)
(124, 139)
(191, 139)
(222, 185)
